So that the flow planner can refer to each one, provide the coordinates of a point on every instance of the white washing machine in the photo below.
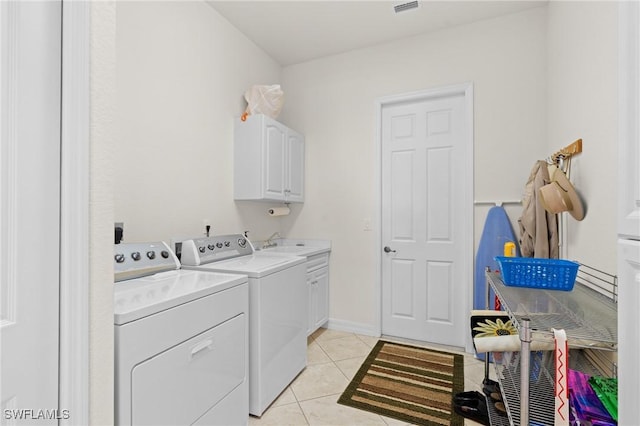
(277, 309)
(181, 341)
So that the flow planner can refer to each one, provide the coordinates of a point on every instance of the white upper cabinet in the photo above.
(268, 161)
(629, 131)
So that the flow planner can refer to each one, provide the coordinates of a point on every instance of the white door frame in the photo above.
(73, 344)
(74, 214)
(465, 89)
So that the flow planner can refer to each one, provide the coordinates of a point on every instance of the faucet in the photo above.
(269, 243)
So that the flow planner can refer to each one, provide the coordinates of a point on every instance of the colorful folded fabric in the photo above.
(586, 407)
(607, 390)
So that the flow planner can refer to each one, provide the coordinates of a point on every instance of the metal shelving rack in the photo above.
(588, 314)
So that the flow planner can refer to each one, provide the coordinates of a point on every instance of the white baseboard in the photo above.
(352, 327)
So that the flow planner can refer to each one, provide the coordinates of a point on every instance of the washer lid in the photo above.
(141, 297)
(256, 265)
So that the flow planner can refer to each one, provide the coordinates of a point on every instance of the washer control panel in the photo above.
(199, 251)
(133, 260)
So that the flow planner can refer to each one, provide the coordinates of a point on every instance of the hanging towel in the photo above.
(538, 228)
(561, 387)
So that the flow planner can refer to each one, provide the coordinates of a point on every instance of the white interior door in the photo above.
(425, 272)
(30, 39)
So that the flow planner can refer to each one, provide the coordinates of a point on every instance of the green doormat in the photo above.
(408, 383)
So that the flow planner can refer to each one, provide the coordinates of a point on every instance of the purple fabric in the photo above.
(585, 406)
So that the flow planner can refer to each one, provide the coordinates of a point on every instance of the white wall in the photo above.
(331, 100)
(583, 88)
(181, 74)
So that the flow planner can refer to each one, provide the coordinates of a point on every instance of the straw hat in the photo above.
(560, 196)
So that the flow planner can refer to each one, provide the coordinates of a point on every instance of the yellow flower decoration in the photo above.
(494, 328)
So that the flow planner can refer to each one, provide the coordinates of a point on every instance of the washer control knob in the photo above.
(211, 247)
(119, 258)
(227, 243)
(242, 242)
(201, 249)
(151, 254)
(135, 255)
(219, 245)
(164, 254)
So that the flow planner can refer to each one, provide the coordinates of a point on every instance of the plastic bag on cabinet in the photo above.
(267, 100)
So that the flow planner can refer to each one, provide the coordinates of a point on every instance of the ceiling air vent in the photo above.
(405, 6)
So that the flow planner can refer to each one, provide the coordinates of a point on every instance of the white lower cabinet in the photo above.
(318, 286)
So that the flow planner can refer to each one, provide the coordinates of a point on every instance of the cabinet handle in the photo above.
(205, 344)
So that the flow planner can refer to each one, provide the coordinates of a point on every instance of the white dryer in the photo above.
(181, 341)
(277, 309)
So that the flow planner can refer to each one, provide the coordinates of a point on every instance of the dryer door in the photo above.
(182, 383)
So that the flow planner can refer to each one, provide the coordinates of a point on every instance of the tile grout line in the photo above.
(306, 419)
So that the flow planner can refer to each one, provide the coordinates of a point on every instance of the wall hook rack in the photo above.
(566, 152)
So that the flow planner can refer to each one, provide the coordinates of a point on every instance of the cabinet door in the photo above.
(295, 167)
(274, 149)
(322, 297)
(311, 309)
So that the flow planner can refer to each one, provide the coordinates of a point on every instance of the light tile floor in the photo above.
(333, 358)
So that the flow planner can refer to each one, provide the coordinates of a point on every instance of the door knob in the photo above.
(387, 249)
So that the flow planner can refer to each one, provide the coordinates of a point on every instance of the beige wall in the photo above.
(332, 101)
(583, 103)
(181, 74)
(103, 136)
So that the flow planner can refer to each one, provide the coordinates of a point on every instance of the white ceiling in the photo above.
(297, 31)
